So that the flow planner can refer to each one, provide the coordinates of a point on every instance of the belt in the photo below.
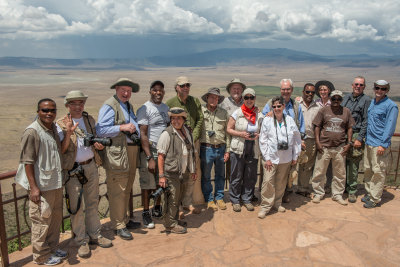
(85, 162)
(210, 145)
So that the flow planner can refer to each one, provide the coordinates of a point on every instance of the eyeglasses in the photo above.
(336, 99)
(380, 88)
(47, 110)
(277, 106)
(185, 85)
(76, 104)
(359, 84)
(309, 92)
(251, 97)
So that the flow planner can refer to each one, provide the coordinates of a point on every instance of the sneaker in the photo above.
(51, 261)
(211, 205)
(236, 207)
(147, 221)
(249, 206)
(262, 214)
(221, 204)
(281, 209)
(371, 204)
(124, 234)
(62, 254)
(157, 211)
(84, 250)
(316, 199)
(365, 199)
(133, 225)
(341, 201)
(352, 198)
(101, 241)
(177, 229)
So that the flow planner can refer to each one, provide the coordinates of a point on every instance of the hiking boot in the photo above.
(157, 211)
(352, 198)
(365, 199)
(147, 221)
(371, 204)
(84, 250)
(316, 199)
(61, 254)
(133, 225)
(211, 205)
(236, 207)
(221, 204)
(177, 229)
(124, 234)
(101, 241)
(249, 206)
(51, 261)
(262, 214)
(341, 201)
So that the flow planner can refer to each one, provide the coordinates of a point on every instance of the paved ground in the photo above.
(308, 234)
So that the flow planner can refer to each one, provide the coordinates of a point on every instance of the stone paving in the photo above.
(307, 234)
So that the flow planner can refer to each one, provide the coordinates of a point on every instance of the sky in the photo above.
(143, 28)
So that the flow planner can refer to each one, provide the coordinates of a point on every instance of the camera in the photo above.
(159, 192)
(89, 140)
(283, 146)
(78, 171)
(210, 133)
(251, 135)
(134, 137)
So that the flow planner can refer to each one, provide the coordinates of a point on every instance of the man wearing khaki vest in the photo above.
(118, 121)
(80, 160)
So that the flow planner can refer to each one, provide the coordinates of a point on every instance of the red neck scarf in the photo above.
(249, 113)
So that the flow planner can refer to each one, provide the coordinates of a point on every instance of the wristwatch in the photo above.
(161, 175)
(149, 157)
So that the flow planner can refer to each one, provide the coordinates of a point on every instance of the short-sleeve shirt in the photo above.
(333, 126)
(155, 116)
(251, 128)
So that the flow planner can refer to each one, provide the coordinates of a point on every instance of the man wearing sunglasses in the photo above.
(333, 135)
(194, 120)
(358, 104)
(382, 119)
(39, 172)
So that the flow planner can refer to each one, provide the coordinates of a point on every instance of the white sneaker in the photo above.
(62, 254)
(316, 199)
(341, 201)
(51, 261)
(281, 209)
(262, 214)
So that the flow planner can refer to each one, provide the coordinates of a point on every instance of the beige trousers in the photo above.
(119, 186)
(273, 186)
(339, 172)
(46, 231)
(375, 172)
(85, 223)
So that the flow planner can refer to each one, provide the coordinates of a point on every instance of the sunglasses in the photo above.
(336, 99)
(309, 92)
(380, 88)
(47, 110)
(185, 85)
(359, 84)
(249, 97)
(277, 106)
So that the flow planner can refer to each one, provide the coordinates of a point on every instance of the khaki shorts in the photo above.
(147, 180)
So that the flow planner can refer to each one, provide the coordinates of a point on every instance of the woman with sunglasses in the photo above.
(244, 126)
(280, 145)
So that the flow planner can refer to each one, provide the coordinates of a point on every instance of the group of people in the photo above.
(178, 142)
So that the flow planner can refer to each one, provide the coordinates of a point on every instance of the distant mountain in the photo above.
(227, 56)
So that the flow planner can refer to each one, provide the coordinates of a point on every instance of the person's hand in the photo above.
(69, 125)
(357, 144)
(128, 127)
(345, 149)
(320, 148)
(34, 194)
(294, 162)
(162, 182)
(226, 156)
(268, 165)
(380, 151)
(194, 176)
(98, 146)
(256, 135)
(269, 114)
(244, 135)
(151, 166)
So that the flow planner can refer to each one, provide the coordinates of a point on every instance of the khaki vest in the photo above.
(237, 143)
(47, 167)
(68, 158)
(115, 157)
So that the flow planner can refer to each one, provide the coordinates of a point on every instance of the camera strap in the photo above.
(68, 203)
(276, 129)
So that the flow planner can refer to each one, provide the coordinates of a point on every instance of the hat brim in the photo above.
(84, 98)
(183, 114)
(327, 84)
(135, 87)
(220, 98)
(228, 87)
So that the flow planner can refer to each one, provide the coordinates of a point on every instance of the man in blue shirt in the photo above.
(118, 121)
(382, 119)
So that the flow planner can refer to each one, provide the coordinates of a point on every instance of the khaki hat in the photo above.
(126, 82)
(337, 92)
(249, 91)
(235, 80)
(74, 95)
(182, 80)
(177, 112)
(213, 91)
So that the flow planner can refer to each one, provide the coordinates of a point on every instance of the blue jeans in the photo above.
(208, 157)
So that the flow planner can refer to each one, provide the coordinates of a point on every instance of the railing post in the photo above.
(3, 237)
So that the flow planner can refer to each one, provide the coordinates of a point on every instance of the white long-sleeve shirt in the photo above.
(269, 141)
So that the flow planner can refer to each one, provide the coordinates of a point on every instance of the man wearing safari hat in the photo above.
(214, 148)
(118, 122)
(235, 100)
(194, 120)
(72, 129)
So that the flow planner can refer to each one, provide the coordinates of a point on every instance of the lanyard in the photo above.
(276, 129)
